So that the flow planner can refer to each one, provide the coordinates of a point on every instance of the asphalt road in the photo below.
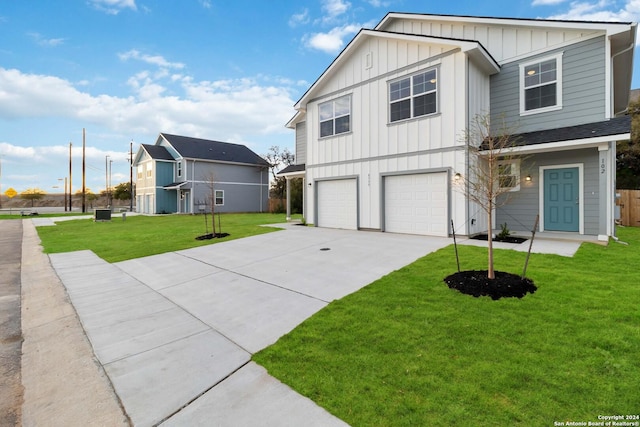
(10, 323)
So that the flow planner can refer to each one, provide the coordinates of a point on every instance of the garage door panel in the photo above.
(417, 204)
(338, 204)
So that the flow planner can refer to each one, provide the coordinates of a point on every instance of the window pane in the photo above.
(326, 111)
(424, 104)
(399, 89)
(400, 110)
(342, 106)
(424, 82)
(507, 181)
(548, 95)
(532, 98)
(342, 124)
(326, 128)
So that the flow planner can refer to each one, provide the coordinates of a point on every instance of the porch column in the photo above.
(288, 199)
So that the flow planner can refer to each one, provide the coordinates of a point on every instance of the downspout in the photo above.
(627, 49)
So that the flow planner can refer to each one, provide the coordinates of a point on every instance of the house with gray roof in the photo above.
(382, 140)
(180, 174)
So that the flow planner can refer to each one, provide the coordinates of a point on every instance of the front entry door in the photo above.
(561, 200)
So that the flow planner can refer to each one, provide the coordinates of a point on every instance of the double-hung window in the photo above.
(335, 116)
(219, 195)
(509, 174)
(541, 85)
(179, 167)
(413, 96)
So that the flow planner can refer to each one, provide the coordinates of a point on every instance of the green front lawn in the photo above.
(408, 351)
(139, 236)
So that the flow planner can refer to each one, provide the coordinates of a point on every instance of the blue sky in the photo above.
(126, 70)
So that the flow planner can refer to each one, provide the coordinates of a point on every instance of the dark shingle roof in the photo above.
(196, 148)
(157, 152)
(616, 126)
(292, 168)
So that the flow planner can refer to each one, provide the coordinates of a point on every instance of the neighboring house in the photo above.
(380, 134)
(183, 174)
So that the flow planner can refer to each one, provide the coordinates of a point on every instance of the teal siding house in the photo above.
(180, 174)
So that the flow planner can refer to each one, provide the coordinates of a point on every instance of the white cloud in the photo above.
(334, 8)
(113, 7)
(149, 59)
(216, 109)
(601, 10)
(301, 18)
(380, 3)
(546, 2)
(45, 42)
(333, 40)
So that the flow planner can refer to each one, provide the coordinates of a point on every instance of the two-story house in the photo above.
(186, 175)
(380, 135)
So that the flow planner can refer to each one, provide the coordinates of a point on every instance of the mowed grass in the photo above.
(408, 351)
(139, 236)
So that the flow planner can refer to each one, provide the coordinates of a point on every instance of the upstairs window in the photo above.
(179, 168)
(335, 116)
(541, 85)
(413, 96)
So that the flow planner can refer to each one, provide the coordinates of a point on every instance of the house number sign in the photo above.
(603, 166)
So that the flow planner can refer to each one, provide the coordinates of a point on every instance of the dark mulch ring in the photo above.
(476, 283)
(508, 239)
(212, 236)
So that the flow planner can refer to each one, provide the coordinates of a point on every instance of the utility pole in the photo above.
(84, 173)
(106, 178)
(70, 180)
(131, 176)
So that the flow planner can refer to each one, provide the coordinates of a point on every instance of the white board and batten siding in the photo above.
(417, 204)
(338, 203)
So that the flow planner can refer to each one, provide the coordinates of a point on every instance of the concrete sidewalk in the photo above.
(175, 332)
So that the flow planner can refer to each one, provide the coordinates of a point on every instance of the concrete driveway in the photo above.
(175, 332)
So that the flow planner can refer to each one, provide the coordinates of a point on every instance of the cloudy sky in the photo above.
(126, 70)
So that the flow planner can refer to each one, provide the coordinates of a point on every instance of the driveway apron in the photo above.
(175, 332)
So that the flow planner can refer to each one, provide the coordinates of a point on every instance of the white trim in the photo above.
(608, 82)
(231, 183)
(558, 106)
(572, 144)
(580, 167)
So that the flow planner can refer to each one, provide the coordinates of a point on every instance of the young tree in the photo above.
(628, 154)
(278, 159)
(487, 184)
(32, 194)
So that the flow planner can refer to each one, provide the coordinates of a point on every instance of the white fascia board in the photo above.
(610, 27)
(297, 118)
(573, 144)
(293, 174)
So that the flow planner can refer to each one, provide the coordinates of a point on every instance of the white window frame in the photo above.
(558, 81)
(334, 116)
(515, 173)
(411, 96)
(216, 197)
(179, 168)
(149, 168)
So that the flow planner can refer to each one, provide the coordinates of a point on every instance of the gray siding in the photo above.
(583, 89)
(301, 143)
(521, 210)
(246, 188)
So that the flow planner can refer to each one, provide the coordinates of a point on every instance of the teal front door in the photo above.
(561, 200)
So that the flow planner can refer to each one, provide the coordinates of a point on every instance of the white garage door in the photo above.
(338, 204)
(416, 204)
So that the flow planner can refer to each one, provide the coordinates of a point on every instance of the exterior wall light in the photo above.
(457, 176)
(528, 178)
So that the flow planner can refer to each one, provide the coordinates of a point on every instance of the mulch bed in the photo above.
(212, 236)
(476, 283)
(508, 239)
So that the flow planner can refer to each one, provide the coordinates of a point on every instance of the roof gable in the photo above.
(204, 149)
(474, 49)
